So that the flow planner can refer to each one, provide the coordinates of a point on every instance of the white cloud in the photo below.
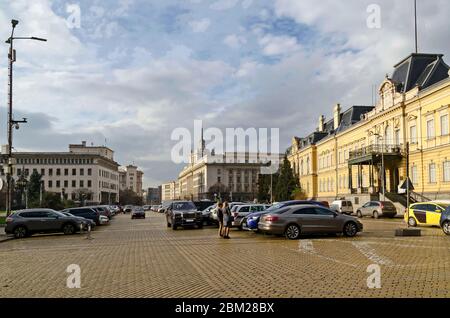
(224, 4)
(278, 45)
(235, 41)
(200, 26)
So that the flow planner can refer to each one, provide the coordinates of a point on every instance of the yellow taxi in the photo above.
(426, 213)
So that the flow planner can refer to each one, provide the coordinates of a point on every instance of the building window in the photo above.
(432, 172)
(50, 183)
(89, 184)
(81, 184)
(446, 166)
(42, 172)
(413, 134)
(81, 172)
(414, 175)
(50, 172)
(66, 172)
(74, 172)
(58, 172)
(430, 129)
(219, 180)
(444, 125)
(397, 137)
(66, 184)
(58, 184)
(74, 184)
(89, 172)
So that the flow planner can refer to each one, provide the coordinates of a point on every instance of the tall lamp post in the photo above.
(11, 122)
(383, 172)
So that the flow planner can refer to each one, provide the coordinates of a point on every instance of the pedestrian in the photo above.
(226, 220)
(220, 218)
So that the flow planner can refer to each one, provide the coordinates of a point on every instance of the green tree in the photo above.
(287, 184)
(129, 197)
(52, 200)
(264, 186)
(34, 189)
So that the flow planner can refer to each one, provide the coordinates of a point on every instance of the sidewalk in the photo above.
(3, 236)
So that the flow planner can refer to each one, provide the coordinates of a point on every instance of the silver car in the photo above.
(296, 220)
(239, 212)
(377, 209)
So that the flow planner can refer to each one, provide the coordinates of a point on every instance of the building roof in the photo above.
(419, 69)
(348, 118)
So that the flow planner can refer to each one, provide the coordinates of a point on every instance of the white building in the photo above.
(131, 179)
(83, 167)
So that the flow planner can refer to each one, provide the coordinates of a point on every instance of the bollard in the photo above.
(89, 233)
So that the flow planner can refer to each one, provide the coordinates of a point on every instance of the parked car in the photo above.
(251, 221)
(206, 213)
(342, 206)
(426, 213)
(184, 214)
(128, 209)
(377, 209)
(85, 212)
(104, 220)
(294, 221)
(86, 222)
(103, 210)
(202, 205)
(28, 222)
(146, 207)
(138, 213)
(240, 212)
(445, 220)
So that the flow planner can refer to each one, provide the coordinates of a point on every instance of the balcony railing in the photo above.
(375, 150)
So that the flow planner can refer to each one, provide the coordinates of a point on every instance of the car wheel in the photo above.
(350, 229)
(20, 232)
(446, 227)
(292, 232)
(359, 214)
(174, 227)
(68, 229)
(376, 215)
(169, 225)
(412, 222)
(200, 226)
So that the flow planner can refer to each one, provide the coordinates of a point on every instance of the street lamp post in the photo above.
(383, 172)
(11, 122)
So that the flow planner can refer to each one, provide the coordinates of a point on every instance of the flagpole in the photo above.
(415, 25)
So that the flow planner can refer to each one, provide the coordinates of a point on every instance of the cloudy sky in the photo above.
(136, 69)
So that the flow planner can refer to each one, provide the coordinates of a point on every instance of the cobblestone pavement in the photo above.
(142, 258)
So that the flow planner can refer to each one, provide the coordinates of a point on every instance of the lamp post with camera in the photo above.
(11, 122)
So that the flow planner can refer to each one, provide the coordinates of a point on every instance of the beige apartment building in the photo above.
(83, 167)
(360, 153)
(131, 179)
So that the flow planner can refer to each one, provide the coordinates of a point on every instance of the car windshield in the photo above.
(59, 213)
(184, 206)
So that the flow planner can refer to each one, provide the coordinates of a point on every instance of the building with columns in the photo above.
(360, 154)
(208, 176)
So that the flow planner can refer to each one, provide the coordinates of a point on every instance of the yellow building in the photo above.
(346, 156)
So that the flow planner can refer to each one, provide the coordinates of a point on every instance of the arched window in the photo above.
(389, 135)
(302, 171)
(307, 166)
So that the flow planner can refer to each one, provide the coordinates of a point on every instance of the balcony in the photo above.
(373, 154)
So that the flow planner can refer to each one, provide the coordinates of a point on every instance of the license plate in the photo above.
(190, 221)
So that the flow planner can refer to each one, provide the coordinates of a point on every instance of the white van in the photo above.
(342, 206)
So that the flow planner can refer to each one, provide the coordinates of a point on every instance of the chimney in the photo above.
(321, 123)
(337, 116)
(83, 143)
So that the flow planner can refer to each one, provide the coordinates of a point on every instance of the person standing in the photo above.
(220, 218)
(227, 222)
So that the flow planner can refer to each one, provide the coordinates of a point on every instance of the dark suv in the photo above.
(28, 222)
(87, 213)
(183, 213)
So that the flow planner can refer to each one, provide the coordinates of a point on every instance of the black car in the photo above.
(28, 222)
(86, 212)
(445, 221)
(86, 222)
(184, 214)
(138, 213)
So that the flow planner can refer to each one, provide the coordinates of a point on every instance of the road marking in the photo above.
(371, 254)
